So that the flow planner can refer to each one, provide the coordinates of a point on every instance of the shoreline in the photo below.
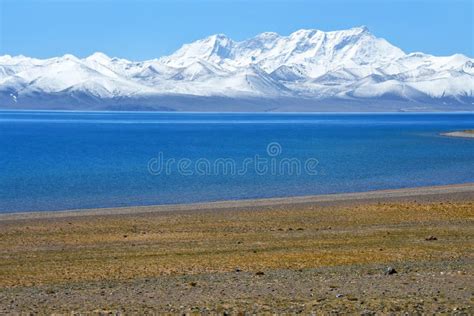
(428, 193)
(460, 134)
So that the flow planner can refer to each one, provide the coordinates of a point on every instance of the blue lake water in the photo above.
(71, 160)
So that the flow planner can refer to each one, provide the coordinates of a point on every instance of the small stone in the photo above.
(260, 273)
(390, 271)
(339, 295)
(431, 238)
(193, 283)
(237, 270)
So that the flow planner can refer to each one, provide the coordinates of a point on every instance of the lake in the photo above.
(77, 160)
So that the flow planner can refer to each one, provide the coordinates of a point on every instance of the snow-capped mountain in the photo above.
(308, 70)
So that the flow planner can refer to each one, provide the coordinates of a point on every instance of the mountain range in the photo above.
(308, 70)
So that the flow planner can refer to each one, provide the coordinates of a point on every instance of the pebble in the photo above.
(390, 271)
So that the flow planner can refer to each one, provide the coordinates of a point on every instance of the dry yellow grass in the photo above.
(93, 248)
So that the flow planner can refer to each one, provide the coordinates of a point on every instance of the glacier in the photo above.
(308, 70)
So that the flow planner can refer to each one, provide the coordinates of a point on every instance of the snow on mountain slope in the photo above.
(213, 49)
(320, 51)
(252, 81)
(288, 73)
(341, 65)
(67, 74)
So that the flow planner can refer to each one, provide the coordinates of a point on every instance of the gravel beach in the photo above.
(392, 251)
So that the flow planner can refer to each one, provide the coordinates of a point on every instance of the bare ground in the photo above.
(298, 256)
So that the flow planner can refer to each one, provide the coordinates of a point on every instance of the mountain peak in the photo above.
(304, 33)
(214, 47)
(311, 32)
(361, 29)
(270, 49)
(219, 37)
(268, 35)
(69, 57)
(99, 57)
(308, 63)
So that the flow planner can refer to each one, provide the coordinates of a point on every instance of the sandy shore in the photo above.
(294, 255)
(463, 134)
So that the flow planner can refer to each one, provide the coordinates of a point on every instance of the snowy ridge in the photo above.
(308, 65)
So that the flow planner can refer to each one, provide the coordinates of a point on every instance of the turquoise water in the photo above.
(70, 160)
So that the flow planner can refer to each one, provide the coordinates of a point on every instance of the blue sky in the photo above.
(147, 29)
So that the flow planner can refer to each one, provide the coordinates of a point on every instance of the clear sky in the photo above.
(148, 29)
